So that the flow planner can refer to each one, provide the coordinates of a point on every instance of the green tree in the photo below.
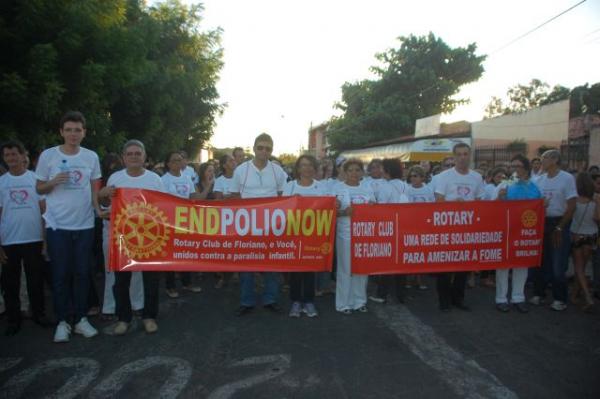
(134, 71)
(418, 79)
(525, 97)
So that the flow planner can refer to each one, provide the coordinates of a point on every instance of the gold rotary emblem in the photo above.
(141, 230)
(529, 218)
(325, 248)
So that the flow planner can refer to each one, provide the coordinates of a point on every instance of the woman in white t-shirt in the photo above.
(418, 191)
(584, 235)
(182, 186)
(392, 192)
(221, 189)
(302, 284)
(351, 290)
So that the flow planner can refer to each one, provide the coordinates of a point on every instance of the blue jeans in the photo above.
(270, 292)
(69, 252)
(555, 262)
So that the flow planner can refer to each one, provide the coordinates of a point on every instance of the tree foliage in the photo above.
(416, 80)
(134, 71)
(525, 97)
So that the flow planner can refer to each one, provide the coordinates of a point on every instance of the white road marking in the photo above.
(181, 372)
(279, 365)
(85, 371)
(465, 376)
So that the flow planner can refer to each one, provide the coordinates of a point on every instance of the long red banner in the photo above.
(160, 232)
(447, 236)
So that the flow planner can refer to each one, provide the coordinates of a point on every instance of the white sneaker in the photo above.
(559, 306)
(85, 328)
(62, 333)
(536, 300)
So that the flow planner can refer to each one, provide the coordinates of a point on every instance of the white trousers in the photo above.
(519, 278)
(350, 290)
(136, 288)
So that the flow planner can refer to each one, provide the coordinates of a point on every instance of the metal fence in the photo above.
(494, 155)
(575, 153)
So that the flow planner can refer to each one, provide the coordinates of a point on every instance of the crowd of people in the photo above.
(55, 220)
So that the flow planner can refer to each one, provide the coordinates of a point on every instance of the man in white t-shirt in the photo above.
(258, 178)
(447, 163)
(188, 170)
(21, 237)
(457, 184)
(133, 176)
(560, 193)
(238, 155)
(69, 176)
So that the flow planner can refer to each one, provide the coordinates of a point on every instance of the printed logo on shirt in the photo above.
(19, 197)
(463, 191)
(182, 189)
(549, 194)
(75, 177)
(419, 198)
(359, 199)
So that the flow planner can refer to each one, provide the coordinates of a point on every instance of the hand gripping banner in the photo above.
(154, 231)
(446, 236)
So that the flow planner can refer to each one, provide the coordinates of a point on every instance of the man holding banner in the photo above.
(133, 176)
(258, 178)
(457, 184)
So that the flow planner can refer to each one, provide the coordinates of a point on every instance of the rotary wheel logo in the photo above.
(141, 231)
(325, 248)
(529, 218)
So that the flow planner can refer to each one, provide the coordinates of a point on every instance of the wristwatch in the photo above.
(558, 228)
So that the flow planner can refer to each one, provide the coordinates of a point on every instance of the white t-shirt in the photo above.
(21, 220)
(421, 194)
(147, 181)
(191, 173)
(433, 182)
(69, 206)
(181, 186)
(557, 190)
(377, 185)
(489, 192)
(347, 195)
(253, 183)
(316, 189)
(222, 185)
(454, 186)
(392, 192)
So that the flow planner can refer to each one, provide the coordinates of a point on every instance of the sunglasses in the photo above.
(414, 176)
(264, 148)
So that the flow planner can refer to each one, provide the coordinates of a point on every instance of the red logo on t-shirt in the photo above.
(19, 196)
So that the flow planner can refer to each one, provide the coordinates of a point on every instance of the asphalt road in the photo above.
(394, 351)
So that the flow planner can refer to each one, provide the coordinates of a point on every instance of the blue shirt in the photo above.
(522, 190)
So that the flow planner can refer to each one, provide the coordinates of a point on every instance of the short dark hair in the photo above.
(536, 159)
(460, 145)
(585, 185)
(374, 161)
(353, 161)
(313, 161)
(393, 167)
(168, 157)
(72, 116)
(236, 149)
(13, 144)
(223, 160)
(523, 159)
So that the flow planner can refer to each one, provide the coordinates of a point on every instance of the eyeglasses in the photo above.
(448, 165)
(264, 148)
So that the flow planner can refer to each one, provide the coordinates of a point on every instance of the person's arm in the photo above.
(46, 187)
(565, 219)
(597, 215)
(3, 257)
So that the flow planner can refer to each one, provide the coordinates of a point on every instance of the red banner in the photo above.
(156, 231)
(446, 236)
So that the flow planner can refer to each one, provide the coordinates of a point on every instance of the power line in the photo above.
(536, 28)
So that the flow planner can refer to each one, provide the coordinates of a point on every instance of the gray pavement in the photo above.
(395, 351)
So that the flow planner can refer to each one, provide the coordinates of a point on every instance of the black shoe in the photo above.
(12, 329)
(462, 306)
(242, 310)
(522, 307)
(502, 307)
(401, 299)
(43, 321)
(273, 307)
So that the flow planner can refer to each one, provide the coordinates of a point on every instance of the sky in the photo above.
(285, 61)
